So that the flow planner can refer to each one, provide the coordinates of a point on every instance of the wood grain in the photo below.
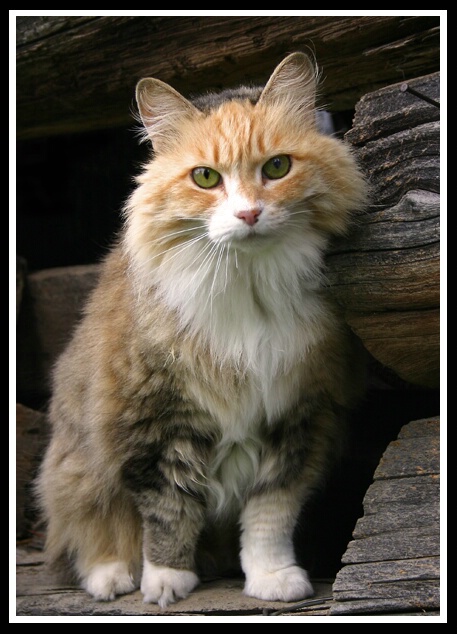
(386, 274)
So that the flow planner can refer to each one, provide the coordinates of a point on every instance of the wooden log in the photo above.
(386, 274)
(79, 73)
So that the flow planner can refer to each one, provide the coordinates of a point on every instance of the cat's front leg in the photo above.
(171, 529)
(267, 553)
(164, 481)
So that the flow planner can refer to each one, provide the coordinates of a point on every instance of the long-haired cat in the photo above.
(207, 381)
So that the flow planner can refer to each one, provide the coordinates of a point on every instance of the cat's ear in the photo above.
(161, 109)
(293, 83)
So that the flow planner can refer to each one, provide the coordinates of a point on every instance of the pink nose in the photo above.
(250, 216)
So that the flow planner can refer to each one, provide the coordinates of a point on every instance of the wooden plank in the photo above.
(417, 491)
(420, 541)
(388, 518)
(401, 592)
(78, 74)
(429, 427)
(393, 607)
(410, 456)
(40, 594)
(377, 580)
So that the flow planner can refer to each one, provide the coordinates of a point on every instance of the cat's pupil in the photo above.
(277, 162)
(206, 173)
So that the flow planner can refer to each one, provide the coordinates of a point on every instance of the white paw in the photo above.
(286, 584)
(163, 585)
(107, 580)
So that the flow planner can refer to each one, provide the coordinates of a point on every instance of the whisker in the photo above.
(299, 212)
(227, 264)
(166, 237)
(207, 260)
(181, 231)
(216, 272)
(208, 247)
(182, 247)
(201, 219)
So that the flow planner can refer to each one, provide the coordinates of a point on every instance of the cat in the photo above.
(206, 384)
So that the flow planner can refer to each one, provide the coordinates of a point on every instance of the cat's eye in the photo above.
(276, 167)
(206, 177)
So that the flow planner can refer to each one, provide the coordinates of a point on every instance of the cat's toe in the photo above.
(107, 580)
(286, 584)
(164, 585)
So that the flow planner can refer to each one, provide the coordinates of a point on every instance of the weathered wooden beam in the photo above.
(79, 73)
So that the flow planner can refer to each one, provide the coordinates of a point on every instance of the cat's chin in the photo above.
(252, 242)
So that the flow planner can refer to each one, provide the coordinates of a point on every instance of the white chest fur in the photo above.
(257, 311)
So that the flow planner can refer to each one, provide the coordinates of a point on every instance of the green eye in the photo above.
(206, 177)
(276, 167)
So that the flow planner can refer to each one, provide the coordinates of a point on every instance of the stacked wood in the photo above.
(79, 73)
(387, 273)
(393, 563)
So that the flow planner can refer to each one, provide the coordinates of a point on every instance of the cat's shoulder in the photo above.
(113, 289)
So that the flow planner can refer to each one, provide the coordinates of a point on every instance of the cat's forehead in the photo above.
(213, 100)
(238, 131)
(230, 134)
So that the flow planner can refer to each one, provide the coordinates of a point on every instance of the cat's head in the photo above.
(247, 169)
